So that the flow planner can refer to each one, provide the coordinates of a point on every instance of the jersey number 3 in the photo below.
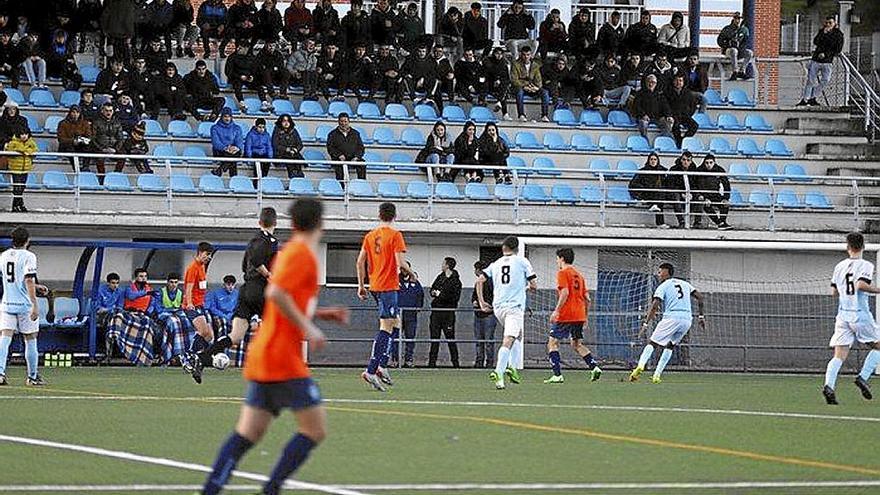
(10, 272)
(680, 292)
(505, 274)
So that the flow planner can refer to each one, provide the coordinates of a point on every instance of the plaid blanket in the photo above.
(133, 332)
(237, 353)
(176, 333)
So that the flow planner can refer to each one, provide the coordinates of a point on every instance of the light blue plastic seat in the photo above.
(736, 198)
(181, 129)
(52, 122)
(272, 186)
(55, 180)
(301, 186)
(665, 144)
(331, 188)
(312, 108)
(619, 118)
(741, 171)
(519, 164)
(626, 168)
(564, 116)
(426, 113)
(390, 188)
(280, 106)
(638, 144)
(240, 184)
(704, 121)
(447, 190)
(371, 157)
(601, 166)
(527, 140)
(43, 312)
(818, 200)
(42, 98)
(777, 147)
(747, 146)
(591, 194)
(231, 104)
(787, 198)
(338, 107)
(504, 192)
(544, 165)
(795, 172)
(760, 198)
(729, 122)
(563, 193)
(196, 154)
(69, 98)
(154, 128)
(89, 73)
(182, 184)
(403, 162)
(721, 146)
(163, 151)
(592, 118)
(67, 313)
(610, 142)
(204, 130)
(33, 182)
(306, 135)
(620, 195)
(454, 113)
(481, 115)
(385, 135)
(117, 182)
(757, 123)
(693, 144)
(211, 184)
(322, 132)
(739, 98)
(412, 137)
(313, 156)
(418, 189)
(368, 110)
(397, 111)
(33, 124)
(554, 141)
(477, 191)
(713, 97)
(583, 142)
(253, 106)
(534, 193)
(365, 137)
(15, 95)
(88, 181)
(767, 170)
(150, 183)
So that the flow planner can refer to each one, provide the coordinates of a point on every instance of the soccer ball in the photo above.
(221, 361)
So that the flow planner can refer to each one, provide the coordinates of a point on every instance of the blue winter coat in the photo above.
(109, 299)
(222, 135)
(221, 303)
(258, 144)
(410, 295)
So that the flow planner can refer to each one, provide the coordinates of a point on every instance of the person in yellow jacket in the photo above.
(20, 165)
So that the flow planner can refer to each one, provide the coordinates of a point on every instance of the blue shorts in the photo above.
(565, 330)
(388, 307)
(295, 394)
(194, 313)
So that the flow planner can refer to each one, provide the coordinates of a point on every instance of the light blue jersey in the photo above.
(852, 303)
(676, 297)
(17, 265)
(510, 277)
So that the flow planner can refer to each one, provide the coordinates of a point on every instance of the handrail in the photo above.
(870, 106)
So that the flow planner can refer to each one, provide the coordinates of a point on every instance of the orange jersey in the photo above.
(276, 353)
(382, 245)
(575, 308)
(198, 277)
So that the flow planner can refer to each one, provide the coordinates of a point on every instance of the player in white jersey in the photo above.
(675, 294)
(851, 284)
(18, 308)
(511, 275)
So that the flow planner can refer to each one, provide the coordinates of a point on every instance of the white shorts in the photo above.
(22, 323)
(512, 321)
(846, 332)
(671, 330)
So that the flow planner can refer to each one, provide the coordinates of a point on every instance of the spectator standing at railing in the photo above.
(641, 37)
(682, 104)
(410, 30)
(615, 88)
(713, 189)
(829, 44)
(516, 25)
(648, 186)
(135, 144)
(675, 37)
(221, 301)
(484, 322)
(466, 150)
(470, 79)
(107, 135)
(581, 34)
(60, 62)
(325, 20)
(410, 298)
(388, 77)
(74, 133)
(525, 74)
(10, 59)
(552, 35)
(20, 165)
(610, 37)
(117, 23)
(212, 21)
(268, 25)
(258, 144)
(226, 142)
(498, 80)
(298, 23)
(493, 152)
(203, 92)
(651, 107)
(696, 77)
(184, 32)
(445, 293)
(734, 43)
(287, 145)
(438, 152)
(587, 83)
(475, 30)
(383, 23)
(344, 144)
(356, 27)
(558, 81)
(683, 187)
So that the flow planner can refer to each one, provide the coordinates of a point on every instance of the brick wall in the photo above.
(766, 35)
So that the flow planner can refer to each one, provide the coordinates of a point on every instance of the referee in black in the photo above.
(255, 265)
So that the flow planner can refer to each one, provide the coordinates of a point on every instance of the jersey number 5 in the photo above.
(680, 292)
(850, 286)
(377, 245)
(505, 274)
(10, 272)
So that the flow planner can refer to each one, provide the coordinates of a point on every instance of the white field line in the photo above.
(169, 463)
(688, 410)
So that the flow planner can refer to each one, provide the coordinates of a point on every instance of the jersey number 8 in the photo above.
(505, 274)
(10, 272)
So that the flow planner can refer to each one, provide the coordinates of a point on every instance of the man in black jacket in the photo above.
(682, 103)
(470, 79)
(516, 25)
(696, 77)
(641, 37)
(344, 144)
(142, 82)
(10, 59)
(556, 79)
(581, 34)
(114, 81)
(484, 322)
(475, 29)
(272, 71)
(360, 72)
(325, 19)
(330, 71)
(713, 189)
(420, 73)
(650, 106)
(356, 28)
(610, 37)
(445, 293)
(383, 23)
(829, 43)
(587, 83)
(649, 187)
(675, 184)
(614, 87)
(241, 70)
(388, 77)
(202, 92)
(498, 80)
(445, 75)
(170, 93)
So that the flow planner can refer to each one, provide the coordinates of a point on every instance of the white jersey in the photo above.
(676, 296)
(510, 277)
(852, 303)
(17, 265)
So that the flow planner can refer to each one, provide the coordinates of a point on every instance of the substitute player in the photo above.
(383, 253)
(195, 287)
(18, 308)
(511, 275)
(569, 317)
(851, 284)
(675, 294)
(278, 377)
(255, 265)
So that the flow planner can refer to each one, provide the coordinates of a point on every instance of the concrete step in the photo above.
(824, 126)
(844, 150)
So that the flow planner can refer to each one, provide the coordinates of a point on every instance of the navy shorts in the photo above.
(565, 330)
(388, 307)
(295, 394)
(194, 313)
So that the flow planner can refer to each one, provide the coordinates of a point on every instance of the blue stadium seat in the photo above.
(211, 184)
(626, 168)
(252, 106)
(240, 184)
(705, 121)
(583, 142)
(665, 144)
(368, 110)
(418, 189)
(330, 187)
(426, 113)
(736, 198)
(385, 135)
(477, 191)
(527, 140)
(721, 146)
(389, 188)
(818, 200)
(741, 171)
(16, 96)
(453, 113)
(405, 161)
(204, 130)
(306, 135)
(563, 193)
(545, 166)
(747, 146)
(505, 138)
(554, 141)
(4, 182)
(195, 154)
(693, 144)
(52, 122)
(33, 182)
(313, 156)
(504, 192)
(777, 147)
(795, 172)
(300, 186)
(182, 184)
(43, 307)
(713, 98)
(151, 183)
(117, 181)
(181, 129)
(154, 128)
(787, 198)
(517, 163)
(564, 116)
(756, 122)
(534, 193)
(55, 180)
(231, 104)
(364, 136)
(601, 166)
(396, 111)
(729, 122)
(638, 144)
(592, 118)
(69, 98)
(481, 115)
(760, 198)
(338, 107)
(591, 194)
(620, 195)
(610, 142)
(312, 108)
(447, 190)
(33, 124)
(67, 313)
(280, 106)
(272, 186)
(322, 132)
(411, 136)
(244, 126)
(739, 98)
(88, 181)
(619, 118)
(164, 150)
(42, 98)
(89, 73)
(372, 156)
(767, 170)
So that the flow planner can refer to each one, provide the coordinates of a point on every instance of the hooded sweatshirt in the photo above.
(449, 288)
(223, 134)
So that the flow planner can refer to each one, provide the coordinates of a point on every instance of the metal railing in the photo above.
(861, 97)
(493, 11)
(600, 13)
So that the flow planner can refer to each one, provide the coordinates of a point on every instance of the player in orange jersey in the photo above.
(278, 377)
(383, 253)
(569, 316)
(195, 287)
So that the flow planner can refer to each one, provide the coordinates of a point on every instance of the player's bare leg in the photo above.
(587, 355)
(5, 342)
(502, 361)
(831, 371)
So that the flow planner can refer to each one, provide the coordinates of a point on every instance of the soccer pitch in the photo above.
(118, 430)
